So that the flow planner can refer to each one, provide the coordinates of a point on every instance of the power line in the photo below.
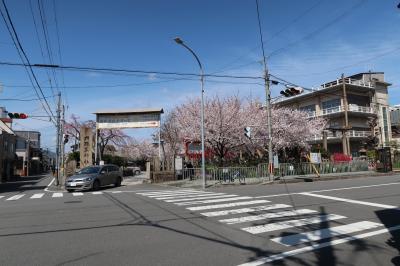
(318, 30)
(40, 43)
(126, 71)
(17, 44)
(24, 100)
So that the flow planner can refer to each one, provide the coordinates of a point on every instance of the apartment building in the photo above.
(7, 152)
(348, 103)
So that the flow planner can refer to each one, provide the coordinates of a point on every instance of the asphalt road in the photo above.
(339, 222)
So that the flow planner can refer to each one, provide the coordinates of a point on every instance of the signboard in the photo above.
(315, 157)
(86, 146)
(128, 120)
(178, 163)
(276, 162)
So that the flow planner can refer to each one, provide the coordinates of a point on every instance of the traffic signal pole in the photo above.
(267, 100)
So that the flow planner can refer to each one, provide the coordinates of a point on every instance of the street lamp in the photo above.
(203, 168)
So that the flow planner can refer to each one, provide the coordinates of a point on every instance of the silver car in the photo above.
(94, 177)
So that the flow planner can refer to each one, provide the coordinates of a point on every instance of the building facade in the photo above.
(351, 106)
(7, 152)
(29, 153)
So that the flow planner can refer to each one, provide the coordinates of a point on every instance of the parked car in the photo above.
(94, 177)
(134, 170)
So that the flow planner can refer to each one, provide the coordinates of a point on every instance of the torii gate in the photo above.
(129, 118)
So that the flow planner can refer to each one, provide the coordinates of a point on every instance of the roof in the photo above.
(130, 111)
(4, 127)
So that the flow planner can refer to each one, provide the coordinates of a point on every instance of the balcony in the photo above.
(352, 108)
(338, 135)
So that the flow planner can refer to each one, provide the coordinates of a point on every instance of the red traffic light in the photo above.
(17, 115)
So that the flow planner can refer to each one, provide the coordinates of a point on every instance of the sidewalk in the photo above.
(278, 180)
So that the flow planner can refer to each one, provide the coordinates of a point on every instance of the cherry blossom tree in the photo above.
(225, 120)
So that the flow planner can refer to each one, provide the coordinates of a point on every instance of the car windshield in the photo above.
(89, 170)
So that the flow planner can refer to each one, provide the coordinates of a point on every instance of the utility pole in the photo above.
(267, 100)
(58, 140)
(346, 141)
(62, 142)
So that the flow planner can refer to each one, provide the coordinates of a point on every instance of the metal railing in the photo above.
(260, 172)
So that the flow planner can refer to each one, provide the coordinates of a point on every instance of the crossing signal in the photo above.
(247, 132)
(292, 91)
(17, 115)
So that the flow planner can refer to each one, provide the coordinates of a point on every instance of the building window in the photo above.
(331, 104)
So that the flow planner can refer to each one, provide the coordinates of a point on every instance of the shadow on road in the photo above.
(19, 184)
(391, 218)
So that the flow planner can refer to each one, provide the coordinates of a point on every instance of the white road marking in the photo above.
(77, 193)
(57, 195)
(245, 210)
(16, 197)
(51, 182)
(37, 196)
(227, 205)
(188, 196)
(212, 201)
(384, 206)
(167, 192)
(1, 197)
(292, 240)
(272, 215)
(201, 198)
(292, 223)
(97, 193)
(177, 194)
(116, 192)
(327, 190)
(298, 251)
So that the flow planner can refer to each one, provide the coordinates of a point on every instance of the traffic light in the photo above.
(247, 132)
(17, 115)
(292, 91)
(66, 138)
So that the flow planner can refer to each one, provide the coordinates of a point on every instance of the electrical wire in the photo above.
(17, 43)
(126, 71)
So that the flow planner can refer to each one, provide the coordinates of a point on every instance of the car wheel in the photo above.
(118, 182)
(70, 190)
(96, 185)
(137, 172)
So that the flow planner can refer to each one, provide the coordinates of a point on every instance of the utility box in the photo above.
(383, 160)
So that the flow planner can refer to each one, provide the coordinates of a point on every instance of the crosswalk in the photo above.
(37, 196)
(260, 216)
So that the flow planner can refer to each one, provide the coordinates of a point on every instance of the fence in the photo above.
(260, 172)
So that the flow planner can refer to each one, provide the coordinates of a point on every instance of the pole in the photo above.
(346, 141)
(267, 100)
(96, 145)
(62, 143)
(203, 165)
(58, 140)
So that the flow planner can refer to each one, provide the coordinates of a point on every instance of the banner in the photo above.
(120, 120)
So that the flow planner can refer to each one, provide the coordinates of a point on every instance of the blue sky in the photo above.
(320, 39)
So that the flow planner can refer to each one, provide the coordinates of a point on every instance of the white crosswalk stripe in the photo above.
(201, 198)
(212, 201)
(226, 205)
(316, 235)
(291, 223)
(77, 194)
(57, 195)
(1, 197)
(97, 193)
(245, 210)
(16, 197)
(169, 192)
(252, 218)
(178, 194)
(37, 196)
(188, 196)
